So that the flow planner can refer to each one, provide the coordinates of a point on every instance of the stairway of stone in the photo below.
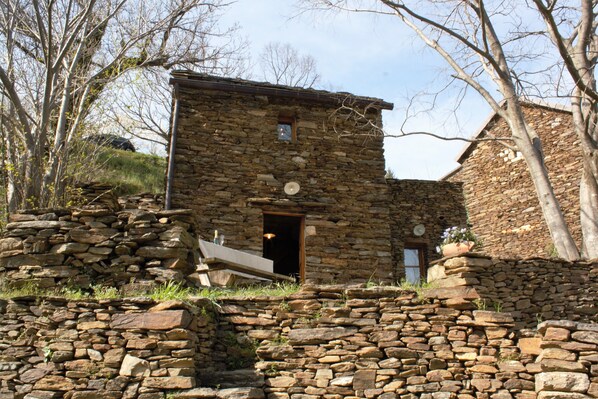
(235, 384)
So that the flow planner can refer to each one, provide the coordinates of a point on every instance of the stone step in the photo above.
(229, 393)
(233, 379)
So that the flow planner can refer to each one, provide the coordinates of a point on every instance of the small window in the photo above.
(414, 264)
(286, 129)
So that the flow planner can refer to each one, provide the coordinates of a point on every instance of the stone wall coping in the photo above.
(479, 255)
(152, 305)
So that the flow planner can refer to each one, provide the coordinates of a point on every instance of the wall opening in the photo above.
(415, 262)
(283, 243)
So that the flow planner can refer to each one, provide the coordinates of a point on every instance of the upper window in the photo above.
(286, 130)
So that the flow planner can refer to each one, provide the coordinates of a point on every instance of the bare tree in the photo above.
(282, 64)
(140, 102)
(58, 58)
(573, 32)
(487, 46)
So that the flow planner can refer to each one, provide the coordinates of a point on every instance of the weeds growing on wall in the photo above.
(165, 292)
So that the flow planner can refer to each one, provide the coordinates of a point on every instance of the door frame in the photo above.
(301, 237)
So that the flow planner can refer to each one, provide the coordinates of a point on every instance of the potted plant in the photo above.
(457, 240)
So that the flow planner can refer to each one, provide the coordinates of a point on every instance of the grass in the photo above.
(28, 289)
(131, 172)
(171, 290)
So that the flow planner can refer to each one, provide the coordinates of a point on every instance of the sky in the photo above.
(375, 56)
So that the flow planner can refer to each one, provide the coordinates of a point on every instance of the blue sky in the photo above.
(374, 56)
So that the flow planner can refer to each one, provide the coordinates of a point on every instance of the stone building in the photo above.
(500, 197)
(286, 173)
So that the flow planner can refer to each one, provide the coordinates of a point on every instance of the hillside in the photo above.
(131, 172)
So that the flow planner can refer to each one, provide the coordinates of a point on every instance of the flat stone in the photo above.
(92, 236)
(69, 248)
(557, 353)
(530, 346)
(91, 325)
(148, 343)
(114, 357)
(462, 292)
(364, 379)
(401, 353)
(318, 335)
(342, 381)
(241, 393)
(281, 382)
(134, 367)
(561, 395)
(162, 252)
(99, 394)
(10, 244)
(556, 334)
(169, 382)
(54, 383)
(511, 366)
(162, 320)
(41, 395)
(562, 365)
(15, 262)
(33, 375)
(42, 225)
(561, 381)
(590, 337)
(196, 393)
(486, 316)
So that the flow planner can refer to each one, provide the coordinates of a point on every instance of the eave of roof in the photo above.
(480, 131)
(209, 82)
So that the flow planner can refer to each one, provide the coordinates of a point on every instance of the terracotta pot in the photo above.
(457, 248)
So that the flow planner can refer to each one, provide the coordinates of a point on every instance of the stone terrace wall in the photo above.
(501, 200)
(568, 360)
(325, 342)
(108, 349)
(532, 290)
(436, 205)
(79, 247)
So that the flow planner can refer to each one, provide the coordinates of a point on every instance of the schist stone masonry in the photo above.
(297, 175)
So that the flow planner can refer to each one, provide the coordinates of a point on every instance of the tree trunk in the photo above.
(588, 206)
(551, 210)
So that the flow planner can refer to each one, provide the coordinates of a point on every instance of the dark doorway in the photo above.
(283, 243)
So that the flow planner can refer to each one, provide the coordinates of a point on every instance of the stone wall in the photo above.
(501, 200)
(531, 290)
(107, 349)
(230, 168)
(329, 342)
(435, 205)
(80, 247)
(568, 360)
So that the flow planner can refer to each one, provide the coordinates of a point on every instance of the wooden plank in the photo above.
(221, 264)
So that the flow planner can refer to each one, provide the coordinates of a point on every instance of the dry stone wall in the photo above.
(324, 342)
(81, 247)
(435, 205)
(568, 360)
(500, 197)
(532, 290)
(230, 168)
(109, 349)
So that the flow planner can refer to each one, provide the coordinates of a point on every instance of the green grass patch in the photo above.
(276, 290)
(131, 172)
(170, 291)
(28, 289)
